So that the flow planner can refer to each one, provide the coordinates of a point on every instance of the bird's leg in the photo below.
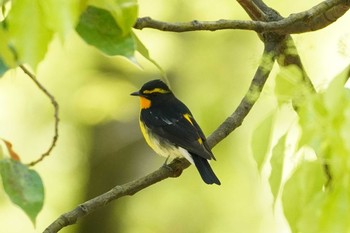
(166, 161)
(165, 164)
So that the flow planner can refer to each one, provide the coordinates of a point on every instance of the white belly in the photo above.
(163, 147)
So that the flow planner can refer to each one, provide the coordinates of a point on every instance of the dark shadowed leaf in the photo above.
(3, 67)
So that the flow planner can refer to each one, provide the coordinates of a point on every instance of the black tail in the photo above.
(205, 170)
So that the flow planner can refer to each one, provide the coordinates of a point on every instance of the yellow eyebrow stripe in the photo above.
(155, 90)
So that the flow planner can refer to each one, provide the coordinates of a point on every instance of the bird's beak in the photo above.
(136, 93)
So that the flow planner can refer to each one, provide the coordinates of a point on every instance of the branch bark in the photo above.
(274, 33)
(175, 168)
(313, 19)
(287, 54)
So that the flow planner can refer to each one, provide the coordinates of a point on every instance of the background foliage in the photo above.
(268, 163)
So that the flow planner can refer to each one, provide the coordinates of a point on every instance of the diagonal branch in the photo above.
(274, 45)
(175, 168)
(313, 19)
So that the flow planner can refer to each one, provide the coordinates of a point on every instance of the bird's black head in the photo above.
(152, 89)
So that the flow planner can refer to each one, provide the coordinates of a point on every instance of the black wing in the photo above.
(176, 123)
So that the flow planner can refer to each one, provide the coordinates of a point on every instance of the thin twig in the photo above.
(313, 19)
(56, 109)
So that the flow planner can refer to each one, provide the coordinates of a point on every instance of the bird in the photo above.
(170, 129)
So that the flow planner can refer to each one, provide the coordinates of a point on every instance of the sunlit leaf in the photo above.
(289, 84)
(327, 212)
(261, 140)
(324, 120)
(277, 165)
(23, 186)
(303, 187)
(126, 14)
(2, 2)
(98, 28)
(334, 96)
(61, 16)
(28, 32)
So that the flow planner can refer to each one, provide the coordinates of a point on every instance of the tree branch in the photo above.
(313, 19)
(287, 54)
(172, 170)
(275, 43)
(54, 104)
(175, 168)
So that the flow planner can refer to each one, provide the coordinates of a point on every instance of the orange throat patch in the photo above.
(144, 103)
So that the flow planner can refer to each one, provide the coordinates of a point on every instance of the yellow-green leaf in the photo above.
(23, 186)
(262, 139)
(290, 86)
(28, 31)
(303, 187)
(61, 16)
(7, 56)
(277, 165)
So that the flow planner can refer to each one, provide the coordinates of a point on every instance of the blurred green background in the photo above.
(100, 144)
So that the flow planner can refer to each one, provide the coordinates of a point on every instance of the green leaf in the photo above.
(277, 166)
(2, 2)
(61, 16)
(28, 31)
(335, 93)
(123, 11)
(7, 56)
(304, 186)
(262, 139)
(3, 67)
(23, 186)
(98, 28)
(126, 14)
(327, 211)
(289, 85)
(2, 153)
(324, 120)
